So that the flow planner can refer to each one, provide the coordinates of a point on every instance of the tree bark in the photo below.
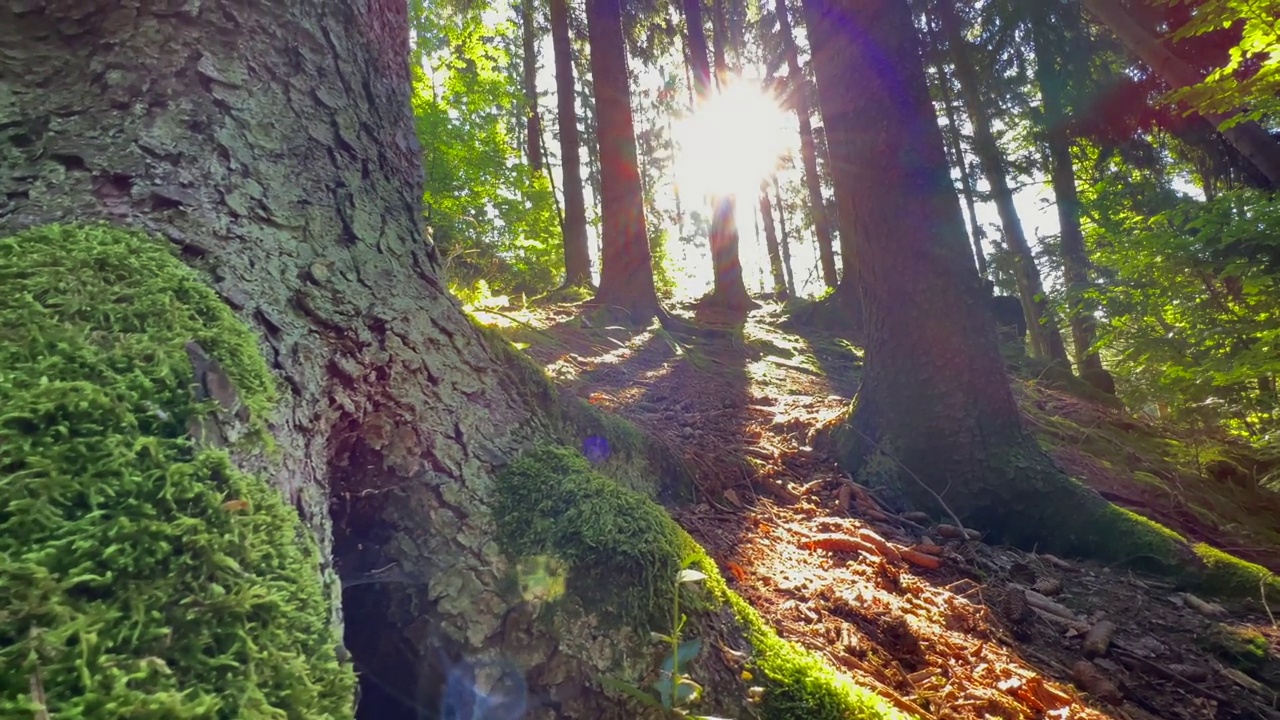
(272, 145)
(1075, 259)
(1045, 336)
(577, 255)
(808, 153)
(626, 274)
(529, 64)
(771, 242)
(934, 394)
(1254, 142)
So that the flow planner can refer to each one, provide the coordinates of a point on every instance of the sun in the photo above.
(732, 141)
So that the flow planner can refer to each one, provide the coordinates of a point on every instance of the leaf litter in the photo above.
(927, 615)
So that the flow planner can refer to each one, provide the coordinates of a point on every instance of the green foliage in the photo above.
(677, 690)
(492, 217)
(1250, 79)
(143, 576)
(1192, 310)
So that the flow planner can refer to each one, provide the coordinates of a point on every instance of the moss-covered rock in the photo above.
(144, 576)
(621, 553)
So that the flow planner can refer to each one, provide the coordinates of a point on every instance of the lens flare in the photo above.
(732, 141)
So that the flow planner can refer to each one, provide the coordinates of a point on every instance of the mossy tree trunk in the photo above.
(1046, 339)
(272, 144)
(934, 394)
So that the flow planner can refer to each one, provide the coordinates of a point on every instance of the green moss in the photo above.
(1230, 576)
(550, 502)
(143, 576)
(622, 553)
(1245, 649)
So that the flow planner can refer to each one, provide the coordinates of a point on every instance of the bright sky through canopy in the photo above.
(733, 141)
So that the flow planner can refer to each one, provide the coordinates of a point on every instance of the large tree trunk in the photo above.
(529, 64)
(577, 255)
(1247, 136)
(626, 274)
(1075, 259)
(1045, 336)
(808, 153)
(934, 394)
(272, 145)
(771, 242)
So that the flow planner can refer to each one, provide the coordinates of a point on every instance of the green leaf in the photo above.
(632, 691)
(684, 654)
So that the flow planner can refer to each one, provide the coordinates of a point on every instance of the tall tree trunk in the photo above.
(529, 63)
(696, 35)
(729, 289)
(719, 40)
(626, 274)
(808, 153)
(771, 242)
(577, 255)
(1250, 138)
(1075, 259)
(284, 165)
(934, 394)
(784, 240)
(955, 145)
(1045, 336)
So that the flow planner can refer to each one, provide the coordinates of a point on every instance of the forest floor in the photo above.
(942, 625)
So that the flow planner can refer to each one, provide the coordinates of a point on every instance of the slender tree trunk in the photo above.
(955, 144)
(719, 39)
(529, 63)
(1075, 259)
(1254, 142)
(626, 276)
(1045, 336)
(808, 153)
(771, 242)
(696, 35)
(284, 165)
(784, 240)
(577, 255)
